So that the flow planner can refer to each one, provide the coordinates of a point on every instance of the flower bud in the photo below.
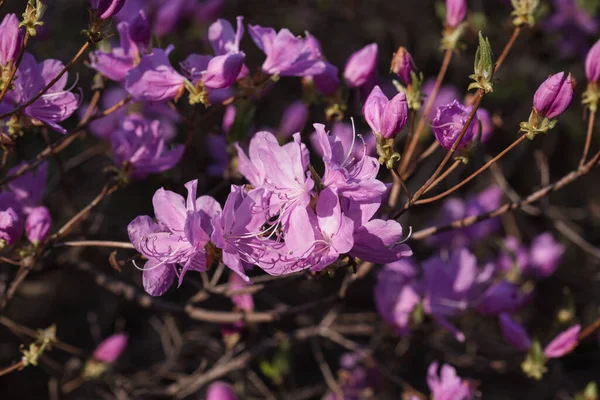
(403, 66)
(563, 344)
(484, 66)
(328, 81)
(456, 10)
(385, 117)
(592, 64)
(11, 219)
(220, 391)
(449, 122)
(554, 95)
(502, 297)
(38, 224)
(106, 8)
(514, 333)
(361, 66)
(111, 348)
(10, 40)
(139, 30)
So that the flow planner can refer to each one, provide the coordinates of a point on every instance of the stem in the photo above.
(15, 67)
(444, 175)
(11, 368)
(507, 48)
(479, 97)
(398, 182)
(473, 175)
(588, 139)
(533, 197)
(430, 100)
(49, 85)
(96, 243)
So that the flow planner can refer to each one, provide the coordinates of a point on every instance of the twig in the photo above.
(49, 85)
(473, 175)
(588, 138)
(325, 370)
(96, 243)
(507, 48)
(12, 368)
(533, 197)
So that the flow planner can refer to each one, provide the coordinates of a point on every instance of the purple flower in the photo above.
(344, 133)
(361, 66)
(592, 63)
(220, 391)
(573, 24)
(385, 117)
(320, 237)
(456, 10)
(38, 224)
(448, 385)
(57, 104)
(397, 294)
(563, 344)
(293, 119)
(170, 13)
(226, 67)
(349, 170)
(501, 297)
(208, 10)
(28, 189)
(450, 121)
(179, 237)
(328, 81)
(554, 95)
(514, 333)
(105, 127)
(11, 219)
(140, 32)
(111, 348)
(142, 144)
(11, 40)
(545, 255)
(154, 79)
(107, 8)
(237, 231)
(287, 55)
(228, 118)
(217, 149)
(450, 287)
(403, 66)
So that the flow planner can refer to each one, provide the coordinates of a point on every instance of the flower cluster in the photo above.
(289, 219)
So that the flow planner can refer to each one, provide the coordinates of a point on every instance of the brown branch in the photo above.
(507, 48)
(49, 85)
(96, 243)
(588, 138)
(533, 197)
(12, 368)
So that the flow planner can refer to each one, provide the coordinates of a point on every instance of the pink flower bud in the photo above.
(38, 224)
(456, 10)
(107, 8)
(111, 348)
(563, 344)
(514, 333)
(385, 117)
(10, 39)
(403, 65)
(220, 391)
(361, 66)
(554, 95)
(449, 122)
(592, 63)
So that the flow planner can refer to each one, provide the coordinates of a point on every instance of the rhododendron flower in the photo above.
(545, 255)
(563, 343)
(154, 79)
(501, 297)
(328, 81)
(111, 348)
(29, 188)
(287, 55)
(11, 219)
(143, 145)
(456, 10)
(293, 119)
(573, 24)
(448, 385)
(514, 333)
(220, 391)
(361, 67)
(38, 224)
(179, 236)
(54, 106)
(385, 117)
(449, 123)
(554, 95)
(106, 8)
